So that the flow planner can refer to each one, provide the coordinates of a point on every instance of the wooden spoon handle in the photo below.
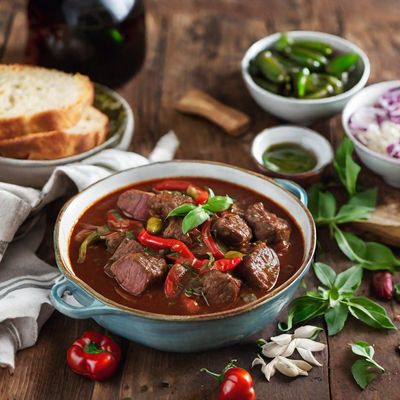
(196, 102)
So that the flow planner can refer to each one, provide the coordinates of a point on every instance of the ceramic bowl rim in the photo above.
(128, 126)
(307, 257)
(316, 170)
(317, 34)
(357, 143)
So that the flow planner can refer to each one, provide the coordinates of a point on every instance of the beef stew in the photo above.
(173, 247)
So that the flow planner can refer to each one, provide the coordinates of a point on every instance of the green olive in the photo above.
(154, 225)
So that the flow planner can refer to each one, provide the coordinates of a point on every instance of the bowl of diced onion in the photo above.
(371, 119)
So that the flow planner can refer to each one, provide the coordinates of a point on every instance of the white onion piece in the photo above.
(366, 116)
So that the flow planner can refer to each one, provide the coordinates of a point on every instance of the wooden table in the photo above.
(199, 44)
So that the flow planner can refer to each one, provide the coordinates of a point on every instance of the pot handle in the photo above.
(295, 189)
(95, 308)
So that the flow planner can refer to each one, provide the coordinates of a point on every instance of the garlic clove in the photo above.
(272, 349)
(305, 366)
(290, 348)
(286, 367)
(309, 344)
(307, 332)
(285, 338)
(269, 369)
(258, 361)
(308, 356)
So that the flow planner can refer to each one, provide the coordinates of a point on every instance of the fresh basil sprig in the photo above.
(196, 215)
(336, 301)
(364, 370)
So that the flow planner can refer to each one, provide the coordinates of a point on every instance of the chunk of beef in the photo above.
(135, 203)
(220, 287)
(162, 204)
(125, 247)
(267, 226)
(237, 209)
(174, 231)
(135, 272)
(113, 240)
(199, 249)
(232, 230)
(178, 279)
(260, 268)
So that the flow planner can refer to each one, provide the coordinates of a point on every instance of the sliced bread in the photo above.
(35, 99)
(90, 131)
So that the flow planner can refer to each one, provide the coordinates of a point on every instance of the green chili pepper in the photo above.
(342, 63)
(283, 42)
(270, 67)
(326, 91)
(315, 82)
(305, 57)
(90, 239)
(288, 64)
(301, 80)
(335, 82)
(315, 45)
(267, 85)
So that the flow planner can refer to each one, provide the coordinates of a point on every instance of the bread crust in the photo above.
(54, 144)
(49, 120)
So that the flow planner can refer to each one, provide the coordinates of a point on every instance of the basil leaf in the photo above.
(181, 210)
(381, 256)
(352, 246)
(335, 318)
(350, 213)
(326, 205)
(313, 200)
(345, 166)
(325, 274)
(303, 309)
(194, 218)
(362, 372)
(334, 297)
(218, 203)
(369, 312)
(365, 199)
(349, 280)
(362, 349)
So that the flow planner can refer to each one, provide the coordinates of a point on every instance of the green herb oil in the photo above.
(289, 158)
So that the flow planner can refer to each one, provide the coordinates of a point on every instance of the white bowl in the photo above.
(35, 173)
(304, 137)
(304, 111)
(387, 167)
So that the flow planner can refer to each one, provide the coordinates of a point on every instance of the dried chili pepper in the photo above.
(209, 241)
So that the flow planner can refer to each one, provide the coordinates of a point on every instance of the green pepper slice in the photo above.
(270, 67)
(320, 47)
(342, 63)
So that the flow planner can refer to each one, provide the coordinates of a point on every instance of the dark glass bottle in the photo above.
(104, 39)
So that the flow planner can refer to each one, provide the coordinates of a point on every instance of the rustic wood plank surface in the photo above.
(199, 44)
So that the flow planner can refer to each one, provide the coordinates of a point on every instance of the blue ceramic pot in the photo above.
(173, 332)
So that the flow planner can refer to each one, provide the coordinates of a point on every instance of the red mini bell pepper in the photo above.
(209, 241)
(176, 246)
(227, 264)
(199, 195)
(94, 355)
(235, 383)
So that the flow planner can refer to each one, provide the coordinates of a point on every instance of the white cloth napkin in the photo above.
(25, 279)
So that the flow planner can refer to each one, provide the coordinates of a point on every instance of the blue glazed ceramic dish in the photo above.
(176, 332)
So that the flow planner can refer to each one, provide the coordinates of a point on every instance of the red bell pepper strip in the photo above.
(176, 246)
(199, 195)
(235, 383)
(191, 305)
(94, 355)
(227, 264)
(209, 241)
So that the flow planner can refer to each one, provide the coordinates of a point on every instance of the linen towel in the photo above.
(25, 280)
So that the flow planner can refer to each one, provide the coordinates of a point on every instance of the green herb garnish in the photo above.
(364, 370)
(336, 301)
(196, 215)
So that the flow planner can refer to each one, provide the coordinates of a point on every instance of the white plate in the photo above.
(35, 173)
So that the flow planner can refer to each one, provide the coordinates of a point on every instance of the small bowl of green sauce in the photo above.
(292, 152)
